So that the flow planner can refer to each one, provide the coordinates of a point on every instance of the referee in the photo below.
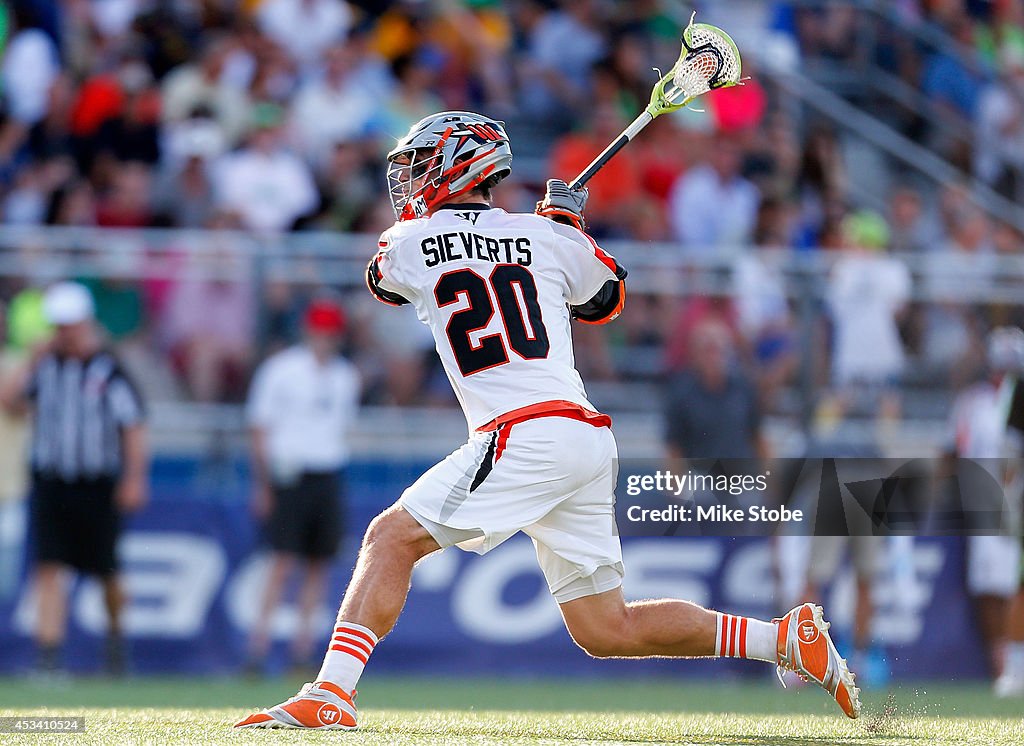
(89, 463)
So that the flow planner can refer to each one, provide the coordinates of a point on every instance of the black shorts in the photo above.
(307, 516)
(76, 524)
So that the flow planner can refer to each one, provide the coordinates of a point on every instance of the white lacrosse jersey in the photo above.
(495, 288)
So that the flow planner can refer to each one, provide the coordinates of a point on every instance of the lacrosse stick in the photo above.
(709, 59)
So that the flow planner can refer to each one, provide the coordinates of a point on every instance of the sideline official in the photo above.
(302, 403)
(89, 464)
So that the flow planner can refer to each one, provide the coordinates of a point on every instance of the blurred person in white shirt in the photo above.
(305, 28)
(206, 83)
(955, 279)
(269, 186)
(867, 293)
(301, 405)
(31, 64)
(337, 107)
(711, 206)
(999, 133)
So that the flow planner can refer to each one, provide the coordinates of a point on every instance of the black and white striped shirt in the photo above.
(81, 407)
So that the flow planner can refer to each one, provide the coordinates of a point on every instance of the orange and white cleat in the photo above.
(319, 705)
(806, 649)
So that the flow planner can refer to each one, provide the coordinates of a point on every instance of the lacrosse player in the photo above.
(499, 291)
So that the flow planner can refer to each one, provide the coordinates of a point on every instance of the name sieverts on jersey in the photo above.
(458, 245)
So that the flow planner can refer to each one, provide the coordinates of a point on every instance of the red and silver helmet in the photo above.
(445, 155)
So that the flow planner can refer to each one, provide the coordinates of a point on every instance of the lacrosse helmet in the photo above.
(1006, 349)
(445, 155)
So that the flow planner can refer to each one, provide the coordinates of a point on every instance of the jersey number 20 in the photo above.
(526, 336)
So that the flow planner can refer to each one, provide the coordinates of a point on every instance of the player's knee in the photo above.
(395, 531)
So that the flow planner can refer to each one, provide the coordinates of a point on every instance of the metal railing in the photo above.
(313, 260)
(45, 254)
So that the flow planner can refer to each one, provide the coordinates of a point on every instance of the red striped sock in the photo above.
(743, 637)
(347, 655)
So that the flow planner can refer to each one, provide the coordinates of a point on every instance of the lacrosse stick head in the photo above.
(709, 60)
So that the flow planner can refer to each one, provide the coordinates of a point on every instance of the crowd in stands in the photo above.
(269, 116)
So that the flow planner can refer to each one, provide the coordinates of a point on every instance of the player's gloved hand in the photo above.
(564, 205)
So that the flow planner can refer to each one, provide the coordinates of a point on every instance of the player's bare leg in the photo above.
(1011, 682)
(392, 546)
(606, 626)
(114, 600)
(281, 567)
(52, 612)
(312, 590)
(991, 612)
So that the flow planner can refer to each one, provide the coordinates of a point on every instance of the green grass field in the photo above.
(486, 712)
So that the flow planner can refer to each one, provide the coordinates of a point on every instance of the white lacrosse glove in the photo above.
(564, 205)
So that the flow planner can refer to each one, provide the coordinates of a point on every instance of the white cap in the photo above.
(67, 303)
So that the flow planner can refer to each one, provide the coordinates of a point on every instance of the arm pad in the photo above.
(373, 278)
(607, 304)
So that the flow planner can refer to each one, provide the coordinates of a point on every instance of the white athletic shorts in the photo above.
(551, 477)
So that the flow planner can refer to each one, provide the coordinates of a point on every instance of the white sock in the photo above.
(743, 637)
(347, 654)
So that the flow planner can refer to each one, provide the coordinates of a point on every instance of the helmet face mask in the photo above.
(443, 156)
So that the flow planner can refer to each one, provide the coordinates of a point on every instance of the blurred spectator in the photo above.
(204, 84)
(132, 134)
(762, 306)
(336, 107)
(14, 434)
(712, 207)
(118, 306)
(979, 431)
(127, 203)
(662, 154)
(25, 203)
(950, 81)
(184, 197)
(957, 276)
(561, 47)
(305, 28)
(741, 108)
(414, 96)
(74, 203)
(911, 230)
(616, 186)
(301, 405)
(867, 294)
(865, 554)
(83, 473)
(210, 321)
(999, 137)
(268, 186)
(347, 188)
(821, 182)
(692, 313)
(31, 64)
(711, 408)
